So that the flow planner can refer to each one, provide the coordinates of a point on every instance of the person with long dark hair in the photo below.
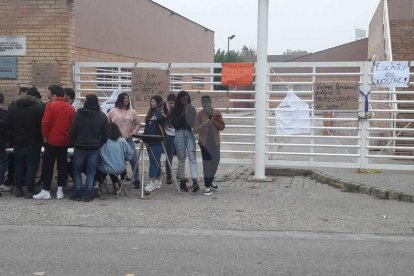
(154, 125)
(182, 118)
(126, 118)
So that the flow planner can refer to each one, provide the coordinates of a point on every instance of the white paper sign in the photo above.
(391, 74)
(12, 45)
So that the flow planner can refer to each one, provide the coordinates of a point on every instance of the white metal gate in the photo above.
(384, 139)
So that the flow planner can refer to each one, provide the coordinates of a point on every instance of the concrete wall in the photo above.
(48, 26)
(142, 30)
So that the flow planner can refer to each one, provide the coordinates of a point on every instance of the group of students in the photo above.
(103, 142)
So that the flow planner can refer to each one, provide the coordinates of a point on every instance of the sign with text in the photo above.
(45, 74)
(10, 93)
(336, 95)
(146, 83)
(8, 68)
(391, 74)
(237, 74)
(12, 45)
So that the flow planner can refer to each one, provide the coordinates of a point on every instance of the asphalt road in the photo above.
(291, 226)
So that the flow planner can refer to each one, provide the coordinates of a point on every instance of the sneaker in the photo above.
(149, 187)
(116, 187)
(88, 199)
(4, 188)
(137, 184)
(169, 180)
(183, 187)
(42, 195)
(76, 196)
(27, 194)
(96, 191)
(59, 193)
(157, 183)
(214, 187)
(207, 191)
(18, 192)
(195, 187)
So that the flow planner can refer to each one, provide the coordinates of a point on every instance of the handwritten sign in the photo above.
(237, 74)
(336, 95)
(10, 93)
(146, 83)
(391, 74)
(45, 74)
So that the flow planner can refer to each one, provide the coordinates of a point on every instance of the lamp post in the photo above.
(228, 46)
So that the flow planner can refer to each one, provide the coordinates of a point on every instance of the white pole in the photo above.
(261, 89)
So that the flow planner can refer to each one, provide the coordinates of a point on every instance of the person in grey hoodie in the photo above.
(88, 133)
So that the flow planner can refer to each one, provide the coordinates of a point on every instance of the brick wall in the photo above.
(48, 26)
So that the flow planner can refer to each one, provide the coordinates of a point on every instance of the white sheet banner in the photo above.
(292, 116)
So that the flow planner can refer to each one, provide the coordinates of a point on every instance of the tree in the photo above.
(222, 56)
(248, 53)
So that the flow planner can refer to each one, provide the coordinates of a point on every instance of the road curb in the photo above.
(349, 186)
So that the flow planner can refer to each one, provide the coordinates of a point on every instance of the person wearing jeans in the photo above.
(88, 133)
(169, 137)
(182, 118)
(154, 125)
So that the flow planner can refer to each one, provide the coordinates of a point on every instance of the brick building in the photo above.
(58, 33)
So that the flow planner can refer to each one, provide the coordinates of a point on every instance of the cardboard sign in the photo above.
(237, 74)
(146, 83)
(10, 93)
(336, 95)
(391, 74)
(45, 74)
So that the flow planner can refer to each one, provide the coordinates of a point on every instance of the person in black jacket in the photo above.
(3, 138)
(88, 133)
(154, 125)
(182, 118)
(24, 123)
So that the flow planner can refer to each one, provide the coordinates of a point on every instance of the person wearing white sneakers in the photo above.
(208, 124)
(154, 125)
(55, 131)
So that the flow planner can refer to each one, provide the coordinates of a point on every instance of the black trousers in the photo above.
(52, 154)
(211, 159)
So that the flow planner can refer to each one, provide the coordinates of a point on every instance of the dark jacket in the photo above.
(183, 121)
(3, 130)
(155, 126)
(24, 122)
(89, 129)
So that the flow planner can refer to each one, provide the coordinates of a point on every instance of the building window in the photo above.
(173, 83)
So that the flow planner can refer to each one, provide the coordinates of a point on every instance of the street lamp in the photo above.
(228, 46)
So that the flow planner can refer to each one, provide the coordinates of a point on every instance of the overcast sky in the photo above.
(311, 25)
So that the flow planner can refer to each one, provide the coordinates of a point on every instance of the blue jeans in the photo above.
(134, 161)
(3, 166)
(80, 158)
(26, 163)
(154, 153)
(185, 145)
(169, 146)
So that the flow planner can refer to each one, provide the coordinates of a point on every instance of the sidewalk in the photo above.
(385, 184)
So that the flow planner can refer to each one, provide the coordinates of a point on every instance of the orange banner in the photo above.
(237, 74)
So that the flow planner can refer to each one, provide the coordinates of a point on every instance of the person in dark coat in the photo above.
(3, 145)
(24, 123)
(88, 133)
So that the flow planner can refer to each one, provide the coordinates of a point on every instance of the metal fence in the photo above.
(382, 138)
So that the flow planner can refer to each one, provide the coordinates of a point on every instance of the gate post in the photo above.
(363, 122)
(261, 90)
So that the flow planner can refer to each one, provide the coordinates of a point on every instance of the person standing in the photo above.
(154, 125)
(208, 125)
(88, 133)
(169, 137)
(183, 117)
(126, 118)
(24, 124)
(56, 122)
(3, 145)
